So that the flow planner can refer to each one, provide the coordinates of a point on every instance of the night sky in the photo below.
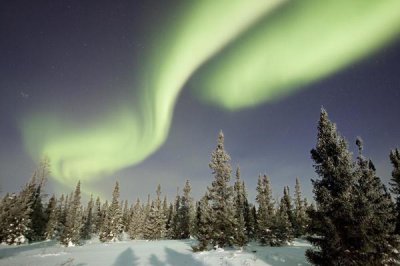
(137, 91)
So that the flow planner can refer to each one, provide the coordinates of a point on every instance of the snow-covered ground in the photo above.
(152, 253)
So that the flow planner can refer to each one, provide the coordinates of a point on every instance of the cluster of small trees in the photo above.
(223, 217)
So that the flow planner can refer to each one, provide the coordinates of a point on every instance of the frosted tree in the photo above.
(375, 217)
(184, 218)
(37, 216)
(136, 223)
(155, 222)
(289, 207)
(97, 216)
(265, 214)
(52, 221)
(282, 228)
(239, 203)
(87, 228)
(125, 216)
(300, 216)
(71, 234)
(113, 227)
(395, 183)
(203, 225)
(173, 226)
(333, 193)
(222, 216)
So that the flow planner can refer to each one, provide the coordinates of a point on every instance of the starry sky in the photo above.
(137, 91)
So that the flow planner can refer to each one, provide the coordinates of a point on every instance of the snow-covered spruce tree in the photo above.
(137, 221)
(87, 227)
(71, 234)
(222, 216)
(265, 214)
(334, 196)
(154, 228)
(395, 183)
(52, 220)
(97, 216)
(37, 217)
(289, 207)
(112, 228)
(171, 213)
(125, 216)
(239, 203)
(250, 221)
(173, 226)
(204, 227)
(375, 216)
(282, 230)
(300, 216)
(15, 217)
(184, 212)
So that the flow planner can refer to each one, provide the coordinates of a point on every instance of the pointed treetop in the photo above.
(238, 172)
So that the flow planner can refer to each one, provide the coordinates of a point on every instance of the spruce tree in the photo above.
(173, 227)
(281, 228)
(265, 214)
(375, 217)
(52, 220)
(125, 216)
(184, 218)
(137, 221)
(97, 216)
(333, 193)
(300, 217)
(87, 228)
(112, 228)
(221, 197)
(203, 225)
(395, 183)
(71, 234)
(239, 201)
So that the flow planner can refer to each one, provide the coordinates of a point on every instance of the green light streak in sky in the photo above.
(304, 41)
(247, 54)
(125, 138)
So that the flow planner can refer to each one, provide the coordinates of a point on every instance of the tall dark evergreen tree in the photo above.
(333, 196)
(71, 233)
(203, 225)
(395, 183)
(373, 235)
(52, 220)
(265, 214)
(87, 228)
(239, 204)
(112, 228)
(281, 228)
(184, 212)
(300, 216)
(222, 216)
(137, 221)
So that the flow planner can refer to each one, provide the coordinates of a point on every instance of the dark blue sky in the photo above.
(79, 58)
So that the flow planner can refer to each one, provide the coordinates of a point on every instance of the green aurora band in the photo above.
(235, 54)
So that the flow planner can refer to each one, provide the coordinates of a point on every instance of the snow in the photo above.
(152, 253)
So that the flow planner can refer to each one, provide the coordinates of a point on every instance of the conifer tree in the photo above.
(299, 225)
(184, 213)
(282, 227)
(52, 221)
(333, 193)
(395, 184)
(289, 207)
(113, 226)
(173, 227)
(71, 234)
(87, 227)
(222, 216)
(239, 201)
(265, 214)
(203, 225)
(97, 216)
(375, 217)
(137, 221)
(125, 216)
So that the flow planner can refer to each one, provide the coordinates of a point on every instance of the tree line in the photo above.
(354, 220)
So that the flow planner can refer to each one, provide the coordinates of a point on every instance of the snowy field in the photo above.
(152, 253)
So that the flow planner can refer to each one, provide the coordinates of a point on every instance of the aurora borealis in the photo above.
(107, 84)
